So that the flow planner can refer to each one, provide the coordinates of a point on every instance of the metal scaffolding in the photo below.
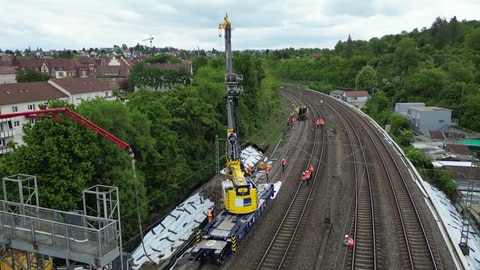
(74, 236)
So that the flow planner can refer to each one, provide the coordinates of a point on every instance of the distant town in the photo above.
(31, 78)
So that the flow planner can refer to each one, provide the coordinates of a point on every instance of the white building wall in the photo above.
(402, 108)
(11, 128)
(78, 98)
(8, 78)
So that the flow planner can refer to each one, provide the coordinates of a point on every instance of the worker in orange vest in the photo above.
(310, 168)
(210, 213)
(249, 170)
(267, 171)
(320, 123)
(303, 178)
(348, 241)
(283, 162)
(294, 120)
(308, 174)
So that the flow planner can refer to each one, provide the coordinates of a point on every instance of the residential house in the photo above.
(355, 98)
(20, 97)
(78, 89)
(113, 75)
(337, 93)
(90, 66)
(56, 68)
(8, 74)
(115, 61)
(175, 66)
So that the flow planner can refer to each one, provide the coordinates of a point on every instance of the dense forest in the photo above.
(173, 132)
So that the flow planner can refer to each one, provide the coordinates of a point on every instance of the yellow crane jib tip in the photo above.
(226, 23)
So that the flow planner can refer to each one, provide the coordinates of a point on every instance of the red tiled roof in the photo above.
(436, 135)
(56, 64)
(361, 93)
(7, 70)
(81, 85)
(464, 172)
(459, 149)
(15, 93)
(31, 63)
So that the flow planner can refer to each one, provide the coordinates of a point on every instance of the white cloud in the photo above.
(188, 24)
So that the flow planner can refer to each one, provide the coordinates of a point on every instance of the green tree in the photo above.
(31, 75)
(269, 100)
(406, 54)
(427, 83)
(470, 117)
(67, 158)
(472, 40)
(349, 48)
(378, 107)
(366, 79)
(417, 157)
(210, 85)
(113, 166)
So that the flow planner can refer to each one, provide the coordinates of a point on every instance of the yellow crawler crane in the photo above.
(239, 191)
(244, 201)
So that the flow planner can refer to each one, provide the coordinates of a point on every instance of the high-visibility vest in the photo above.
(303, 177)
(267, 169)
(350, 242)
(284, 162)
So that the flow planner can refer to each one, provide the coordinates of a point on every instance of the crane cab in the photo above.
(239, 197)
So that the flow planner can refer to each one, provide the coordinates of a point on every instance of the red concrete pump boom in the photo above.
(58, 114)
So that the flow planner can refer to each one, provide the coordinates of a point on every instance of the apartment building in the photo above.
(20, 97)
(79, 89)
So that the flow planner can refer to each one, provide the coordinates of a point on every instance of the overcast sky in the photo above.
(192, 24)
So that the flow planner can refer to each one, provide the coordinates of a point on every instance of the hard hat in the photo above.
(303, 173)
(346, 235)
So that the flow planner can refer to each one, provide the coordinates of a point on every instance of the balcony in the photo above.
(5, 149)
(7, 134)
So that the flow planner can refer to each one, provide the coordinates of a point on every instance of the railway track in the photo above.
(281, 248)
(419, 253)
(416, 251)
(365, 186)
(364, 253)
